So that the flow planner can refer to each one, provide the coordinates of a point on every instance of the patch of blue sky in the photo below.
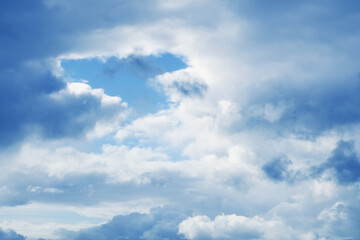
(126, 78)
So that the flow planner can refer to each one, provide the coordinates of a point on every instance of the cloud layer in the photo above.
(257, 138)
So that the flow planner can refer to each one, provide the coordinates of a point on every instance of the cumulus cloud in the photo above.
(335, 222)
(236, 227)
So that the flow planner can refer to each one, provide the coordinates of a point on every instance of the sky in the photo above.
(181, 120)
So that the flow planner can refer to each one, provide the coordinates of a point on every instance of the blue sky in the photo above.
(126, 78)
(179, 119)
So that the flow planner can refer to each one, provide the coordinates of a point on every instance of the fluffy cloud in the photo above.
(237, 227)
(335, 222)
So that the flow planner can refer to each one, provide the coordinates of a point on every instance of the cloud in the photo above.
(259, 84)
(335, 222)
(10, 235)
(235, 227)
(310, 111)
(46, 29)
(277, 169)
(35, 101)
(188, 89)
(343, 164)
(26, 79)
(340, 221)
(20, 98)
(160, 223)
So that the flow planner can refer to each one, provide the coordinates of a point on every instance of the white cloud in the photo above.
(238, 227)
(81, 88)
(120, 163)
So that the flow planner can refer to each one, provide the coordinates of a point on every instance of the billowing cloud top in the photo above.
(179, 119)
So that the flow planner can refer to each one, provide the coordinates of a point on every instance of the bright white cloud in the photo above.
(238, 227)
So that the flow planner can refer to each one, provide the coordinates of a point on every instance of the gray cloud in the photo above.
(10, 235)
(159, 224)
(344, 163)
